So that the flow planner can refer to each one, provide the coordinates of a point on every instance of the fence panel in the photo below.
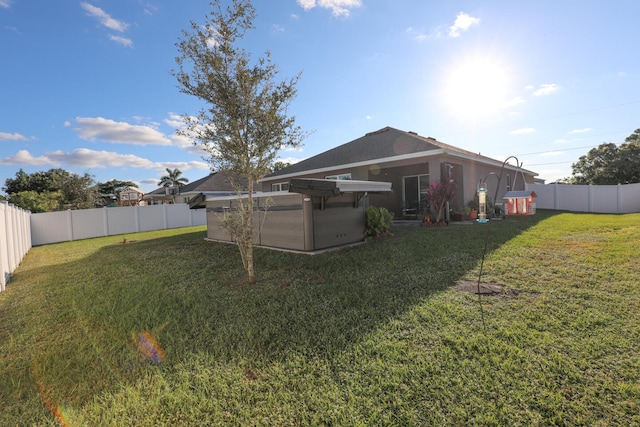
(588, 198)
(175, 217)
(604, 198)
(572, 198)
(630, 198)
(152, 218)
(122, 220)
(50, 227)
(15, 232)
(88, 223)
(53, 227)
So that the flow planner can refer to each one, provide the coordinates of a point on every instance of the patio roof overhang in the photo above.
(332, 187)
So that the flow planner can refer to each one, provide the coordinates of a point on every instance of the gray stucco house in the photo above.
(410, 162)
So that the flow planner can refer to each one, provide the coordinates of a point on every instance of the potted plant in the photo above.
(472, 211)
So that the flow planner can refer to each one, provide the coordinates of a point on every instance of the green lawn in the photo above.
(376, 334)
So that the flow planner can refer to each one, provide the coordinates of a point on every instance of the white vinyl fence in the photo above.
(615, 199)
(52, 227)
(15, 235)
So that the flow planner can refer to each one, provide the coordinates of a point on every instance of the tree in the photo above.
(108, 191)
(609, 164)
(48, 201)
(173, 179)
(113, 187)
(279, 165)
(51, 190)
(246, 121)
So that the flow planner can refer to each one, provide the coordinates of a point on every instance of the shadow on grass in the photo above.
(191, 296)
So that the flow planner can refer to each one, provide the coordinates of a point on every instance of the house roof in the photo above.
(519, 194)
(214, 182)
(386, 144)
(131, 189)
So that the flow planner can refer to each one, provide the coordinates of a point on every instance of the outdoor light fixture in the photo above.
(482, 202)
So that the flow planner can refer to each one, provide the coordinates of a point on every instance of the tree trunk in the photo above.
(250, 272)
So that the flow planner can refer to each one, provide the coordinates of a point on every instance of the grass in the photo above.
(370, 335)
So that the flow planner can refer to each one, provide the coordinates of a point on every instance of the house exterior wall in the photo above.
(466, 172)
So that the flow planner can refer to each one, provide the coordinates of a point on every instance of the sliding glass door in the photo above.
(413, 191)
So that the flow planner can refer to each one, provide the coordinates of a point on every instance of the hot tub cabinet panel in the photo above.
(298, 221)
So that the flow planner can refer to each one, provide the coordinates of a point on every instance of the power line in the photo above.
(550, 163)
(561, 149)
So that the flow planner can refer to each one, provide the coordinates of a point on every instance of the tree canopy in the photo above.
(609, 164)
(173, 178)
(52, 190)
(113, 187)
(246, 121)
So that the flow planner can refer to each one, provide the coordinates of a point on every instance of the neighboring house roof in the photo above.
(131, 190)
(386, 144)
(214, 182)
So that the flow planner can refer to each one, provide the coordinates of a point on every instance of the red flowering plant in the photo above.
(438, 194)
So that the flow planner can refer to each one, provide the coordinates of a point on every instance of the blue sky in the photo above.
(87, 86)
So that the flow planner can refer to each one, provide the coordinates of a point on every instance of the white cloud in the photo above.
(104, 18)
(338, 7)
(98, 128)
(528, 87)
(87, 158)
(462, 23)
(23, 157)
(4, 136)
(175, 121)
(580, 130)
(150, 9)
(513, 102)
(291, 160)
(522, 131)
(546, 89)
(122, 40)
(187, 139)
(421, 36)
(5, 4)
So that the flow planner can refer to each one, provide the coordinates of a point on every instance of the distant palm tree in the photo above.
(173, 179)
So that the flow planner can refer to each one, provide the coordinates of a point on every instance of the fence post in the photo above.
(69, 225)
(619, 199)
(136, 214)
(4, 255)
(10, 242)
(165, 220)
(105, 221)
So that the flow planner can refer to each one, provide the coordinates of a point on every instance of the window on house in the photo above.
(340, 177)
(508, 182)
(280, 186)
